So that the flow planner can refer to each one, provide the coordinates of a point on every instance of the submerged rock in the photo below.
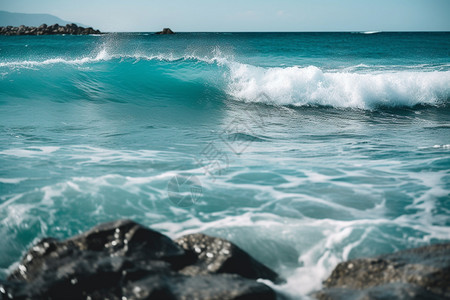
(421, 273)
(124, 260)
(72, 29)
(165, 31)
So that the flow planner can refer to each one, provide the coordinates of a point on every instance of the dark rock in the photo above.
(46, 30)
(166, 31)
(116, 239)
(216, 255)
(421, 273)
(124, 259)
(381, 292)
(219, 286)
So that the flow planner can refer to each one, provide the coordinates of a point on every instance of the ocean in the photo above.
(304, 149)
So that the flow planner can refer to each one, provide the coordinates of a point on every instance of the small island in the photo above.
(165, 31)
(72, 29)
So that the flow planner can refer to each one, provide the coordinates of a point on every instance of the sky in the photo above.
(245, 15)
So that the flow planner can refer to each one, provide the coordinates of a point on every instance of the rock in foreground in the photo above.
(73, 29)
(124, 260)
(421, 273)
(215, 255)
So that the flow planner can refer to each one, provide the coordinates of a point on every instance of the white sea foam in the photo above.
(442, 146)
(101, 55)
(314, 246)
(299, 86)
(370, 32)
(30, 151)
(12, 180)
(320, 244)
(104, 55)
(312, 86)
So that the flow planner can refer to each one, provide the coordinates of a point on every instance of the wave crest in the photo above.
(312, 86)
(104, 55)
(299, 86)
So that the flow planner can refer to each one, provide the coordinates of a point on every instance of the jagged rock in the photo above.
(216, 255)
(421, 273)
(219, 286)
(382, 292)
(123, 238)
(125, 259)
(166, 31)
(46, 30)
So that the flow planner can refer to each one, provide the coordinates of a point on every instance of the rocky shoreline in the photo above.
(125, 260)
(420, 273)
(72, 29)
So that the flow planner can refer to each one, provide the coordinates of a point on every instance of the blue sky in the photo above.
(246, 15)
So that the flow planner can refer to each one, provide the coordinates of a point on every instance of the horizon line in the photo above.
(288, 31)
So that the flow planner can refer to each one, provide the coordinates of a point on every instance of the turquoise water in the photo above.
(305, 149)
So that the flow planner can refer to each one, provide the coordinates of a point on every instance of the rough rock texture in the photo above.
(124, 260)
(48, 30)
(215, 255)
(421, 273)
(165, 31)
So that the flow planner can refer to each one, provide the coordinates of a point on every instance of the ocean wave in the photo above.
(101, 55)
(371, 32)
(104, 55)
(361, 86)
(298, 86)
(367, 32)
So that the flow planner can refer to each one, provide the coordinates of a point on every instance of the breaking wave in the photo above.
(293, 85)
(312, 86)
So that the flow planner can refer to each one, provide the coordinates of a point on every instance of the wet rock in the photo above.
(46, 30)
(381, 292)
(216, 255)
(421, 273)
(124, 259)
(116, 239)
(219, 286)
(165, 31)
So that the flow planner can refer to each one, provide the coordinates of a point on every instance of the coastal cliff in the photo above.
(72, 29)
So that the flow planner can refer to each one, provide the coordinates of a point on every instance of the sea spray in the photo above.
(351, 159)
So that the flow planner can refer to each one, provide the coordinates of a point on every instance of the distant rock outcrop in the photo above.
(48, 30)
(124, 260)
(165, 31)
(421, 273)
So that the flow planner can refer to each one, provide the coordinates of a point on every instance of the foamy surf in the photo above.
(104, 55)
(371, 32)
(375, 86)
(312, 86)
(95, 129)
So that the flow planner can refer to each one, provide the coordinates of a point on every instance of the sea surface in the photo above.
(305, 149)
